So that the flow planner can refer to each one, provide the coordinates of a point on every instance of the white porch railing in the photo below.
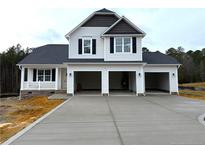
(39, 85)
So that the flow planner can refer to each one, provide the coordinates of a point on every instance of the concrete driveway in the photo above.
(121, 120)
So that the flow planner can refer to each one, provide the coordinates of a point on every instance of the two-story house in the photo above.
(104, 55)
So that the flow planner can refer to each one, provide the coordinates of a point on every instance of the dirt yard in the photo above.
(17, 114)
(192, 93)
(197, 84)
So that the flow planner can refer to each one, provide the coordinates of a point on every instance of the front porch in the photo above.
(43, 79)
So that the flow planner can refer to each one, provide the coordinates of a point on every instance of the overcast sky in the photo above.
(165, 28)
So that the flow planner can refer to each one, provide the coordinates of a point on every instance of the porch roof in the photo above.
(47, 54)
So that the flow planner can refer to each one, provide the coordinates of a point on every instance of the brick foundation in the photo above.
(30, 93)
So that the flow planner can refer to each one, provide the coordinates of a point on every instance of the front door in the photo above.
(64, 78)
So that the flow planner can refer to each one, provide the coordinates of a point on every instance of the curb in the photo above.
(201, 119)
(23, 131)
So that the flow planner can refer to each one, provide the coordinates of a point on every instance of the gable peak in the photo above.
(104, 10)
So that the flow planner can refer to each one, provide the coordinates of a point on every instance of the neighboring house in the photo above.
(104, 53)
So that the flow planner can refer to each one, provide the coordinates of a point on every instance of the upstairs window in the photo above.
(123, 45)
(118, 44)
(87, 45)
(127, 44)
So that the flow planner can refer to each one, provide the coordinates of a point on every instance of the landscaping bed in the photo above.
(17, 114)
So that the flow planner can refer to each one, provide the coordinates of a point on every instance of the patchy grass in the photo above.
(197, 84)
(16, 115)
(193, 94)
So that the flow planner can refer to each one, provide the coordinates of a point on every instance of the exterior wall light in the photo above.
(139, 74)
(173, 74)
(70, 74)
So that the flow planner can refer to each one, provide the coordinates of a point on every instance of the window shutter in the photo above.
(34, 74)
(53, 74)
(80, 46)
(112, 45)
(94, 46)
(26, 74)
(134, 50)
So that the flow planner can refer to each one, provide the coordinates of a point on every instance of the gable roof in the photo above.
(58, 54)
(47, 54)
(104, 10)
(123, 26)
(99, 12)
(158, 58)
(101, 20)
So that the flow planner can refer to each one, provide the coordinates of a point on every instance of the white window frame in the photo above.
(91, 45)
(44, 75)
(123, 45)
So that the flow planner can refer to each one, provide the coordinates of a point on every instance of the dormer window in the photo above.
(87, 45)
(123, 44)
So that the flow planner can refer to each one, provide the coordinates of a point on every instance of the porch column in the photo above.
(105, 82)
(70, 81)
(22, 78)
(140, 82)
(59, 78)
(56, 82)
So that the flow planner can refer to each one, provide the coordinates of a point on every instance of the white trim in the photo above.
(163, 65)
(56, 78)
(105, 63)
(86, 19)
(109, 35)
(128, 22)
(43, 65)
(22, 78)
(23, 131)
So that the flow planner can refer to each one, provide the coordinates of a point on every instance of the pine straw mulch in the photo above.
(17, 114)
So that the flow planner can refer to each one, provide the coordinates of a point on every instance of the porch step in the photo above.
(60, 92)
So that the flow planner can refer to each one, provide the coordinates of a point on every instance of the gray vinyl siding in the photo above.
(123, 28)
(101, 21)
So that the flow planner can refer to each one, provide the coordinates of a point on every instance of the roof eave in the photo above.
(137, 35)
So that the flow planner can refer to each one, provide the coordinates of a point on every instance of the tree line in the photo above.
(10, 75)
(192, 67)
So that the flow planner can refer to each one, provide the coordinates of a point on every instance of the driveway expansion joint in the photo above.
(152, 102)
(114, 121)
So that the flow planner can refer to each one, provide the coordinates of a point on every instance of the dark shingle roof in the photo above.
(104, 10)
(122, 27)
(47, 54)
(158, 58)
(58, 54)
(101, 20)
